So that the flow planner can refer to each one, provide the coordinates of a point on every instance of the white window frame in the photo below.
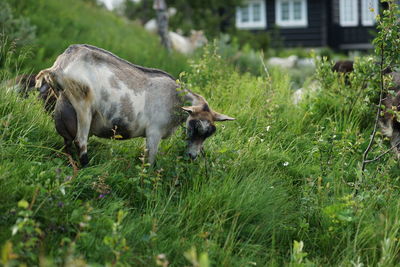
(365, 7)
(291, 23)
(262, 24)
(346, 23)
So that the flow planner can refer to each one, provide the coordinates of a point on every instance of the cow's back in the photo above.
(125, 99)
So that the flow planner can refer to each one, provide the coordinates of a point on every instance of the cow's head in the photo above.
(200, 125)
(198, 39)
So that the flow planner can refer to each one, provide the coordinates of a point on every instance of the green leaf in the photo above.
(23, 204)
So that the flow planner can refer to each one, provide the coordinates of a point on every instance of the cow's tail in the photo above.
(47, 76)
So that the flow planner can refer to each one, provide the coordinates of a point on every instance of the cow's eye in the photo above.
(192, 128)
(396, 125)
(210, 131)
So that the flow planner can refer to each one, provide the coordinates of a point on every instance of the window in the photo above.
(251, 15)
(369, 9)
(291, 13)
(348, 13)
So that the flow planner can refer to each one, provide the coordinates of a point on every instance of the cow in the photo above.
(187, 45)
(112, 97)
(287, 63)
(343, 66)
(390, 121)
(347, 66)
(309, 88)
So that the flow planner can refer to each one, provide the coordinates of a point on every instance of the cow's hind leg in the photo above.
(68, 146)
(65, 122)
(81, 140)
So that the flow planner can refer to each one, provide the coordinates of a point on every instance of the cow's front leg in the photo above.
(152, 141)
(84, 120)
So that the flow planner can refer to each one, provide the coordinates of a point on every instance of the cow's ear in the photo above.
(222, 117)
(189, 109)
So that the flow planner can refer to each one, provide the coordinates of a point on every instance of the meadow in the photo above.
(280, 186)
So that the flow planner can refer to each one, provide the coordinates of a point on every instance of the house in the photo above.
(339, 24)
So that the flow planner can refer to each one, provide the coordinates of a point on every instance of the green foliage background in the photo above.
(61, 23)
(280, 186)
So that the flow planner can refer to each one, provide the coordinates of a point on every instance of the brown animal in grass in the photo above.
(389, 122)
(343, 66)
(112, 97)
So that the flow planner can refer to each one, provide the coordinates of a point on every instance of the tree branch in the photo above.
(384, 153)
(365, 161)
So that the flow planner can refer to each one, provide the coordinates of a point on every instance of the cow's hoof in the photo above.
(84, 160)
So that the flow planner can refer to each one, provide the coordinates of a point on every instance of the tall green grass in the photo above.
(278, 174)
(281, 185)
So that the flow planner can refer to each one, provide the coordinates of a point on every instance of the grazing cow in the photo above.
(287, 63)
(112, 97)
(300, 93)
(187, 45)
(390, 121)
(347, 66)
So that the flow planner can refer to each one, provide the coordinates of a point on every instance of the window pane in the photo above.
(297, 10)
(244, 14)
(256, 12)
(366, 13)
(285, 10)
(369, 10)
(348, 10)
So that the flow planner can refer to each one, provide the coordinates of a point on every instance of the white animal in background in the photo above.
(287, 63)
(301, 93)
(151, 26)
(187, 45)
(180, 43)
(298, 95)
(306, 63)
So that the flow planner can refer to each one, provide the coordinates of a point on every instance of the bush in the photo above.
(18, 30)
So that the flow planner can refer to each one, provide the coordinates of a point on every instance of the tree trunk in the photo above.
(162, 23)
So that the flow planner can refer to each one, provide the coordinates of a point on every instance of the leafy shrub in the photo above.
(18, 30)
(142, 10)
(256, 40)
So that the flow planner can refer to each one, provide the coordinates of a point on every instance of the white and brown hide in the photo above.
(113, 98)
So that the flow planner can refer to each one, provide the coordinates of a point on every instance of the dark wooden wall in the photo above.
(351, 37)
(323, 28)
(314, 35)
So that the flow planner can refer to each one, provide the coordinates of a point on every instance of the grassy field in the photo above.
(275, 187)
(279, 186)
